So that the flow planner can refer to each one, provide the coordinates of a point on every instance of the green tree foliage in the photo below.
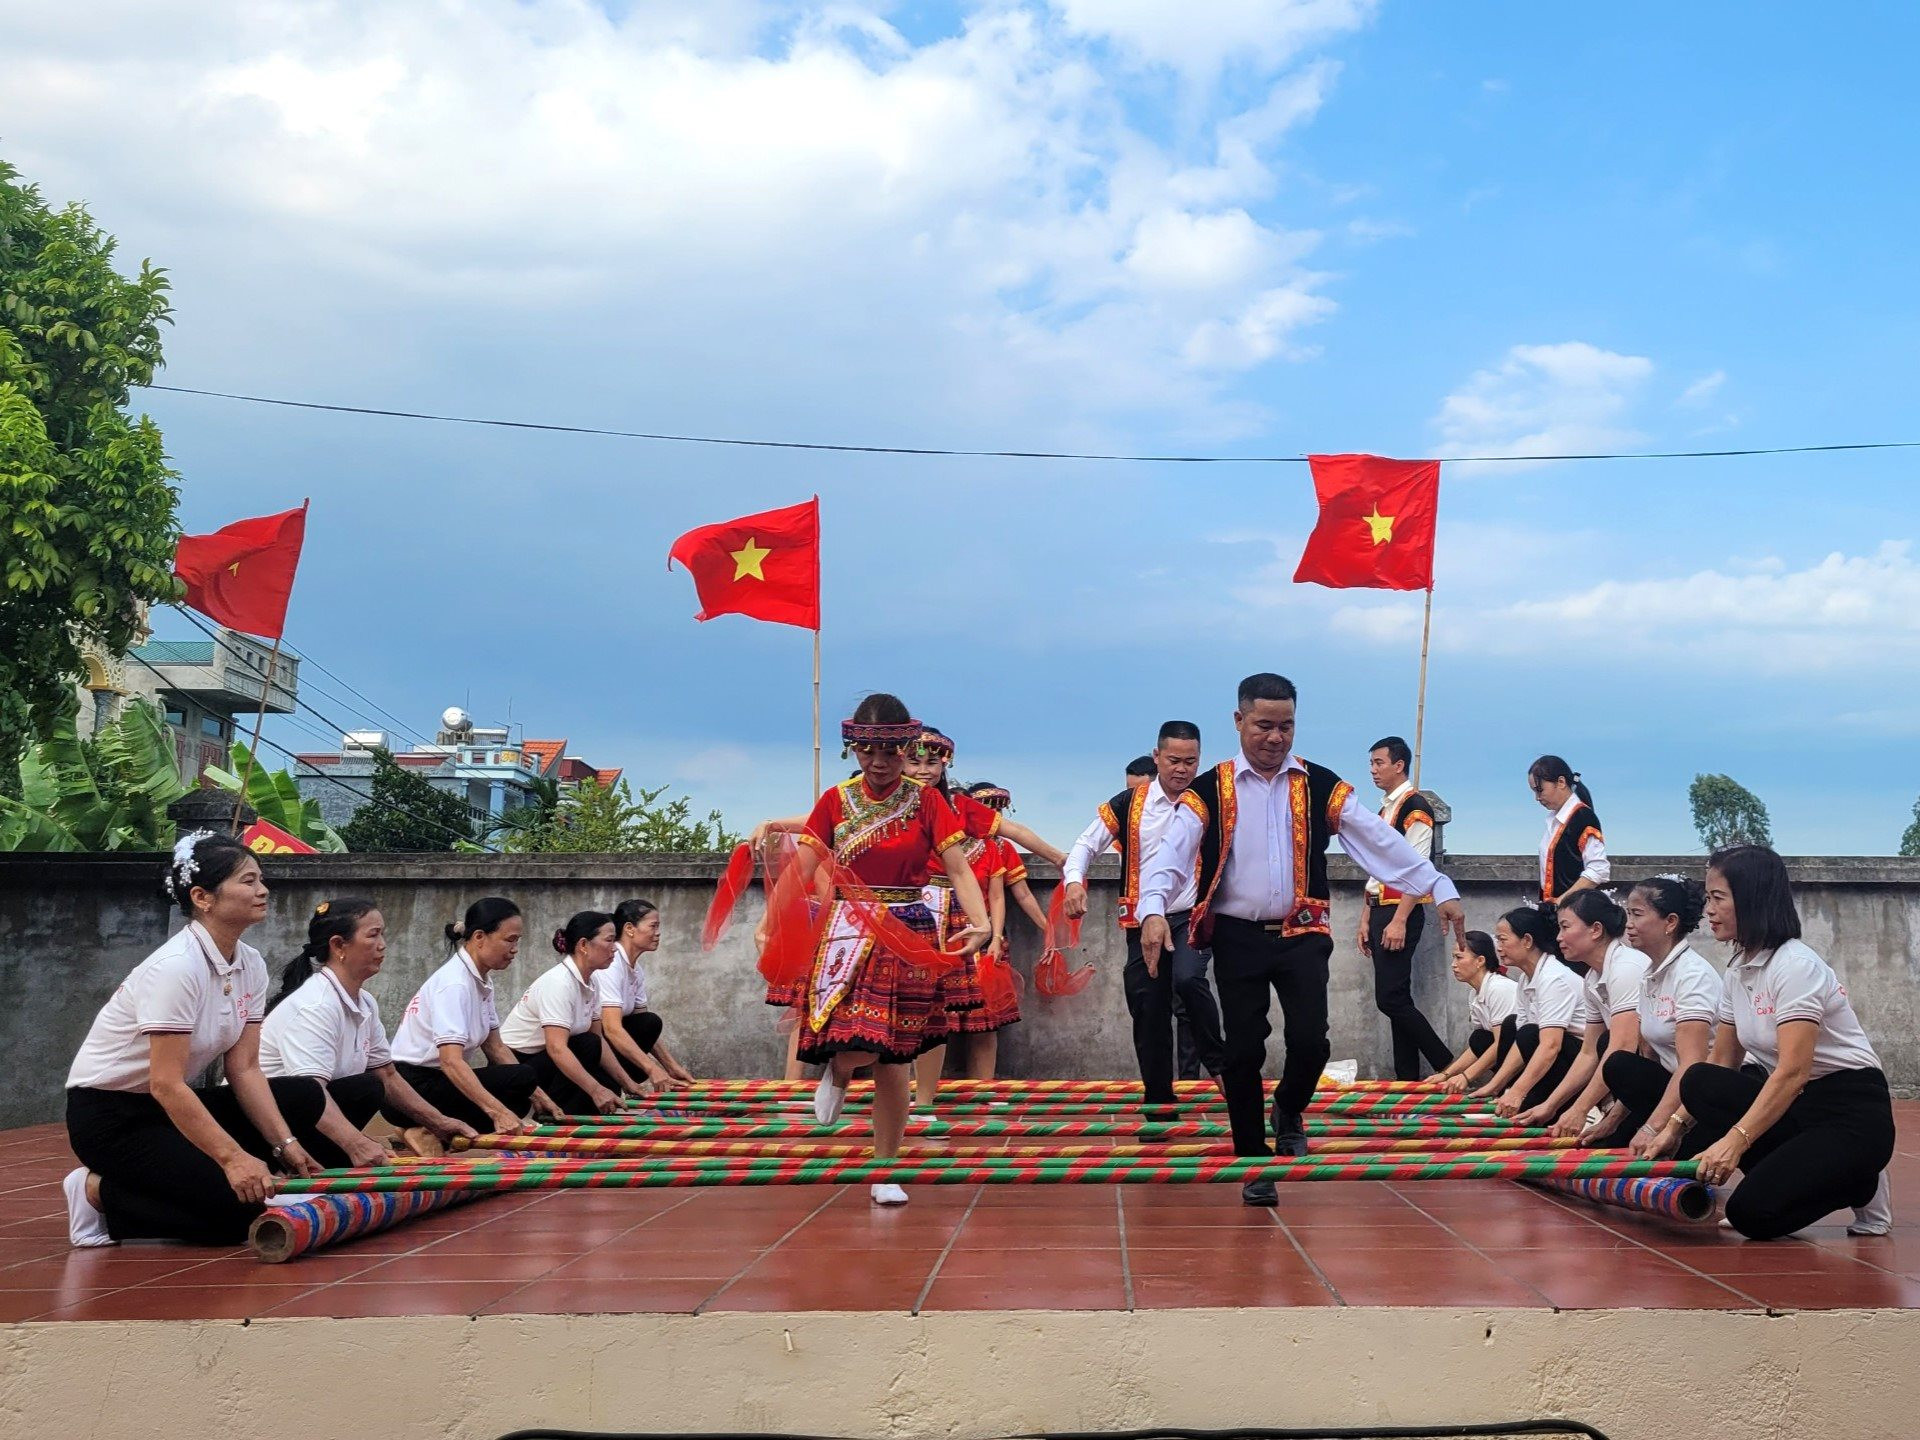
(594, 819)
(1910, 842)
(275, 797)
(405, 813)
(1726, 813)
(110, 793)
(85, 488)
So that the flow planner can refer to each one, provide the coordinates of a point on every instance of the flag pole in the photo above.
(1420, 709)
(260, 715)
(816, 648)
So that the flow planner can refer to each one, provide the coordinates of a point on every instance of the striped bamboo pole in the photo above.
(1671, 1198)
(580, 1174)
(283, 1232)
(943, 1129)
(966, 1107)
(1040, 1088)
(564, 1145)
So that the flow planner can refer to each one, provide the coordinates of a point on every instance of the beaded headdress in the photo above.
(994, 797)
(930, 744)
(896, 737)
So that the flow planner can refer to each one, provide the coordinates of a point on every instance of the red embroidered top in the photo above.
(1013, 864)
(888, 841)
(982, 828)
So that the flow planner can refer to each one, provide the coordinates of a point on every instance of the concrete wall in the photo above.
(72, 926)
(1634, 1374)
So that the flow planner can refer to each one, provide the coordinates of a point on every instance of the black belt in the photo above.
(1272, 927)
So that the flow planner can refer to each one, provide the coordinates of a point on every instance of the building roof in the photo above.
(544, 753)
(176, 652)
(608, 778)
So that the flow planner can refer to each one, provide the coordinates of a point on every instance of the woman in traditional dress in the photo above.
(864, 1001)
(1573, 852)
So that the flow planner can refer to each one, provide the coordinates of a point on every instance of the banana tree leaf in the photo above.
(24, 828)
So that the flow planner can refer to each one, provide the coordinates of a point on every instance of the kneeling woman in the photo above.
(863, 1002)
(1496, 997)
(1793, 1095)
(1679, 1003)
(325, 1024)
(165, 1156)
(1592, 931)
(556, 1027)
(452, 1018)
(620, 990)
(1549, 1006)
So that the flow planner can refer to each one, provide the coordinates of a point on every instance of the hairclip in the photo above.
(185, 866)
(322, 908)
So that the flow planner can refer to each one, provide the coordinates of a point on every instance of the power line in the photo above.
(305, 658)
(937, 451)
(363, 795)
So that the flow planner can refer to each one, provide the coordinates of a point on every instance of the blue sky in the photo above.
(1244, 227)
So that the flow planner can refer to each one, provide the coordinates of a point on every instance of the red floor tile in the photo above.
(1050, 1265)
(1866, 1291)
(1224, 1292)
(185, 1302)
(445, 1269)
(18, 1305)
(105, 1268)
(832, 1291)
(468, 1297)
(613, 1263)
(1570, 1282)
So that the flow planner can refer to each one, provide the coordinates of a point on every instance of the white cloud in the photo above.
(964, 218)
(1701, 390)
(1568, 398)
(1200, 39)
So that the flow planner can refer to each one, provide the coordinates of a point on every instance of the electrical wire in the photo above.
(937, 451)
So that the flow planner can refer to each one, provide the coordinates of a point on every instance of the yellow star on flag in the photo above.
(234, 568)
(746, 560)
(1380, 525)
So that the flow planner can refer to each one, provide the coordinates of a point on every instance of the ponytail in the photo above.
(1678, 898)
(1596, 907)
(1549, 768)
(580, 929)
(484, 916)
(1481, 944)
(331, 920)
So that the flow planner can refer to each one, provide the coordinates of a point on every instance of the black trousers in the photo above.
(1413, 1034)
(562, 1091)
(644, 1026)
(358, 1098)
(1251, 966)
(1482, 1038)
(1824, 1154)
(1150, 1000)
(1639, 1082)
(155, 1184)
(511, 1085)
(1186, 1055)
(1527, 1037)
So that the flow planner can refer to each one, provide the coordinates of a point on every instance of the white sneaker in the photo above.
(86, 1226)
(1876, 1216)
(829, 1098)
(889, 1195)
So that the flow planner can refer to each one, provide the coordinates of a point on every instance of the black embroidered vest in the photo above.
(1314, 802)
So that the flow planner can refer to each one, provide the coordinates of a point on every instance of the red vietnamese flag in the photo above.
(242, 574)
(1376, 523)
(765, 566)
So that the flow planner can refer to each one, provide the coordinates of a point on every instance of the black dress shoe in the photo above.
(1289, 1133)
(1259, 1192)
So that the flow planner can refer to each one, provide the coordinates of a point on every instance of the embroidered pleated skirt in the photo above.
(861, 996)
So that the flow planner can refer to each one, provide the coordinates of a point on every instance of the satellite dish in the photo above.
(454, 718)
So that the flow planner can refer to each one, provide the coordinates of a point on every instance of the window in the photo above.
(105, 702)
(176, 717)
(214, 727)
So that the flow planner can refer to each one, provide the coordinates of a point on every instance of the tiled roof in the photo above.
(608, 778)
(544, 753)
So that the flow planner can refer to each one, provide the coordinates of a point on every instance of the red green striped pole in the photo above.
(570, 1145)
(956, 1129)
(577, 1175)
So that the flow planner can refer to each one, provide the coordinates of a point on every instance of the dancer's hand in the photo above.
(508, 1123)
(1508, 1105)
(1651, 1144)
(1076, 902)
(448, 1128)
(974, 939)
(1395, 937)
(1454, 1085)
(1453, 915)
(1569, 1125)
(298, 1162)
(363, 1151)
(1365, 941)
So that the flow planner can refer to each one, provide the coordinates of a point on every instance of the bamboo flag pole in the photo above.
(1420, 706)
(259, 718)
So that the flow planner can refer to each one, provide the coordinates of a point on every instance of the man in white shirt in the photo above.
(1263, 896)
(1392, 922)
(1136, 820)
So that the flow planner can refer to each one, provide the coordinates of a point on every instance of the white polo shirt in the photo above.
(622, 985)
(559, 997)
(322, 1032)
(1793, 983)
(183, 988)
(1682, 987)
(1614, 988)
(453, 1006)
(1551, 997)
(1494, 1003)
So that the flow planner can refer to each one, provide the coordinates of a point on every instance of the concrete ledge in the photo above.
(1636, 1374)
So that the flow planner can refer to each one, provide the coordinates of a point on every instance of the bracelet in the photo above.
(1648, 1130)
(1744, 1135)
(281, 1149)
